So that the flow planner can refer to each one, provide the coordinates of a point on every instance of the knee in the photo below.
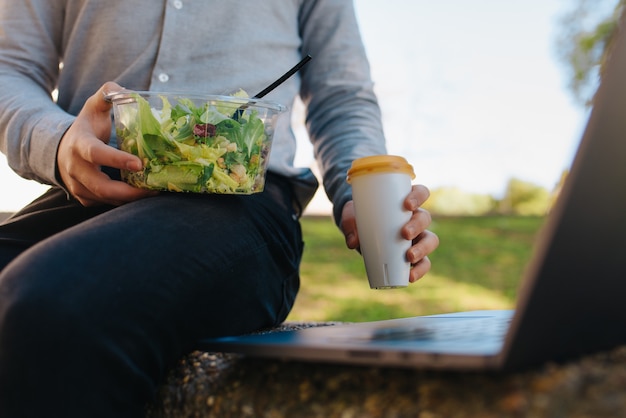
(31, 315)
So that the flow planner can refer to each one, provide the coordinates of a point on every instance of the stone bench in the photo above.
(227, 385)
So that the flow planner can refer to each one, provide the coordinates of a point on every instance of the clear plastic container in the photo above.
(195, 143)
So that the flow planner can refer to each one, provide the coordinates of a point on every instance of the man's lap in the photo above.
(146, 279)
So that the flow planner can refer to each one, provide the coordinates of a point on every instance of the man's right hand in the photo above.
(84, 149)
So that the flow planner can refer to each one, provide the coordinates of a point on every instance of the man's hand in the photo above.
(83, 150)
(424, 241)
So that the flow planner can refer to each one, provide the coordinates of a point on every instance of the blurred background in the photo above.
(473, 94)
(484, 96)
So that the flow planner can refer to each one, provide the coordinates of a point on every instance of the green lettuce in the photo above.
(196, 148)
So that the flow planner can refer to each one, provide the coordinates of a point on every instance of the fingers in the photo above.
(100, 154)
(424, 241)
(88, 184)
(416, 198)
(420, 220)
(92, 186)
(97, 111)
(83, 150)
(417, 255)
(107, 88)
(348, 226)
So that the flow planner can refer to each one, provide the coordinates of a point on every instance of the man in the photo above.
(104, 286)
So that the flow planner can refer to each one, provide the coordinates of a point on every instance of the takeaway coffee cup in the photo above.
(380, 184)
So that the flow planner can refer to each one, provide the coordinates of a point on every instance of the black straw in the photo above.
(272, 86)
(282, 79)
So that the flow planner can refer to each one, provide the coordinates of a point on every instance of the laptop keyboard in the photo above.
(473, 329)
(466, 329)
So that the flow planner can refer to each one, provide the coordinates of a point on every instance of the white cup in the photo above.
(380, 184)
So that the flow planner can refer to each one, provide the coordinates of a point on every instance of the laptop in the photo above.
(572, 298)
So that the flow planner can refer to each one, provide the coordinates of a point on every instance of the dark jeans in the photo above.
(97, 304)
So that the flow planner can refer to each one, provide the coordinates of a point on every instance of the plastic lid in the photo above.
(380, 164)
(130, 96)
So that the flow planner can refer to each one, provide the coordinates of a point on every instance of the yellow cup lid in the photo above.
(380, 164)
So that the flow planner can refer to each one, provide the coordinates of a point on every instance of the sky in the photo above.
(472, 94)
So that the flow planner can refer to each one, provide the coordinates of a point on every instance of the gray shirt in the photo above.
(208, 46)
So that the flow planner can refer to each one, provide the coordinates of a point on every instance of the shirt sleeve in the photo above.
(343, 115)
(31, 124)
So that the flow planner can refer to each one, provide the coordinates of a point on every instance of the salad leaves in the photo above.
(190, 147)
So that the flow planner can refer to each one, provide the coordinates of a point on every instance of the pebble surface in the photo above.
(223, 385)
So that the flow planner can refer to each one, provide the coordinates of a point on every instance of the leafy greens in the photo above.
(193, 147)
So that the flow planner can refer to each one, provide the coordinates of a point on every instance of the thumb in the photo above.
(348, 225)
(97, 110)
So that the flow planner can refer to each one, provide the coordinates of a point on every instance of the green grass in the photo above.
(478, 265)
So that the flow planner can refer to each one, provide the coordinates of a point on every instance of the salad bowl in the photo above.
(195, 143)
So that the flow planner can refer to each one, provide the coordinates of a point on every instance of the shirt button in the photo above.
(178, 4)
(163, 78)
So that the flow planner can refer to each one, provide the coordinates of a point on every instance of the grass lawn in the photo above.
(478, 265)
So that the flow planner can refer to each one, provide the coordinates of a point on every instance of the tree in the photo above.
(584, 43)
(524, 198)
(452, 201)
